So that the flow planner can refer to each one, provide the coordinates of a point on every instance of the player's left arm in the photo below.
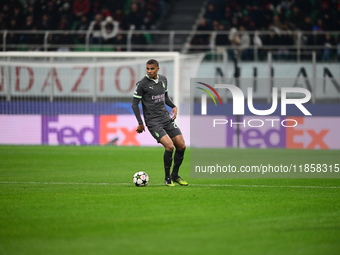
(172, 105)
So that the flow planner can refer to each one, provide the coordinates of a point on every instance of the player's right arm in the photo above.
(137, 96)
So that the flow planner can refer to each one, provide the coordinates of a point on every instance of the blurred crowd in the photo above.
(280, 19)
(102, 19)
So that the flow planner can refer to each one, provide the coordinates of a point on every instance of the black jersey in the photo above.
(152, 94)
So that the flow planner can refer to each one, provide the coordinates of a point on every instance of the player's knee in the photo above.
(170, 147)
(181, 147)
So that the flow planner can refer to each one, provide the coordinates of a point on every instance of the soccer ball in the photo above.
(141, 179)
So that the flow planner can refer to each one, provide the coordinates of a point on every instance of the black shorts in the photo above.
(158, 130)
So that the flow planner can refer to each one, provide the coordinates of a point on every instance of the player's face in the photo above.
(152, 71)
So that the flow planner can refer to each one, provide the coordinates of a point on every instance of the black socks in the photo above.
(179, 155)
(167, 162)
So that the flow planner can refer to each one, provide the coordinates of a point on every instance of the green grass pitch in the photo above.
(81, 200)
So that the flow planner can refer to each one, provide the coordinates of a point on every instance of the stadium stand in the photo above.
(222, 23)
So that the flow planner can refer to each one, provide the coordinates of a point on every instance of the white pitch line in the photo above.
(198, 185)
(263, 186)
(66, 183)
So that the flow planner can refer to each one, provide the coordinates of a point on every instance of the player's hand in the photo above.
(174, 113)
(140, 128)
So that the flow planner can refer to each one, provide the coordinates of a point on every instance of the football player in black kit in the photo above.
(152, 90)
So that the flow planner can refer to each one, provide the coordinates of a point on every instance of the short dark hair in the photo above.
(152, 62)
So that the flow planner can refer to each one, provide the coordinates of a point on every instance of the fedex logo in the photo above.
(310, 133)
(268, 136)
(88, 130)
(69, 130)
(118, 129)
(92, 130)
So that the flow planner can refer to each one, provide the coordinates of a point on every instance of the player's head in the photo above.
(152, 62)
(152, 68)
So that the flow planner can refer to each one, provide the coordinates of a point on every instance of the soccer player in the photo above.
(153, 91)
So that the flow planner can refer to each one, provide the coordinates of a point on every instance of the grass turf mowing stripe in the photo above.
(197, 185)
